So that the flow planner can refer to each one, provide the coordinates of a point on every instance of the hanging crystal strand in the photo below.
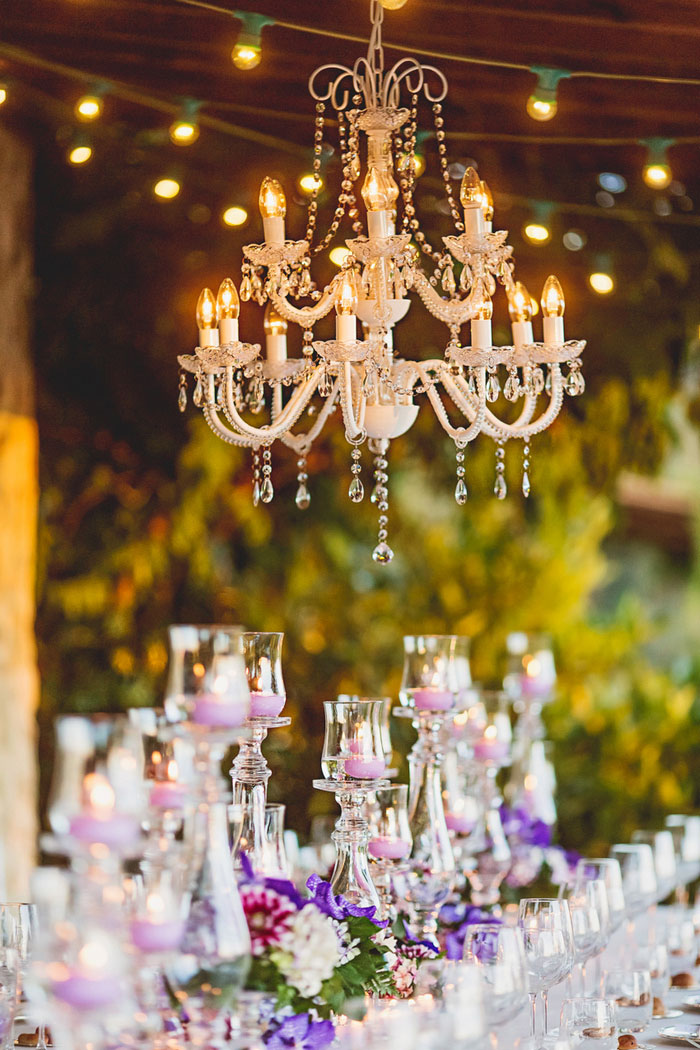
(246, 288)
(457, 215)
(312, 214)
(303, 497)
(356, 492)
(182, 393)
(493, 385)
(500, 489)
(198, 395)
(461, 493)
(382, 553)
(266, 491)
(256, 477)
(526, 468)
(471, 381)
(511, 389)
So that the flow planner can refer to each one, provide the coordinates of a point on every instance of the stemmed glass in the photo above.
(681, 940)
(638, 875)
(664, 851)
(499, 953)
(590, 920)
(606, 870)
(464, 1011)
(390, 841)
(548, 938)
(584, 1021)
(631, 990)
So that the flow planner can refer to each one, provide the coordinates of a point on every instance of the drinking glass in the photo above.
(607, 870)
(431, 681)
(585, 1021)
(664, 851)
(590, 922)
(631, 990)
(207, 683)
(548, 938)
(352, 745)
(464, 1010)
(498, 951)
(680, 940)
(263, 667)
(654, 958)
(9, 997)
(638, 875)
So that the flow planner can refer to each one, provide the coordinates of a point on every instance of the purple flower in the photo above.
(519, 824)
(454, 940)
(282, 886)
(337, 907)
(300, 1033)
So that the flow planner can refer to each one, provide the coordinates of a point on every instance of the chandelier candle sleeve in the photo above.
(275, 335)
(345, 307)
(553, 304)
(520, 310)
(273, 208)
(228, 308)
(482, 337)
(206, 319)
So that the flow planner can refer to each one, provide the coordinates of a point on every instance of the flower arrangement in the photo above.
(313, 954)
(534, 857)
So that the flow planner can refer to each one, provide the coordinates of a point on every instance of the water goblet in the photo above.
(548, 938)
(631, 990)
(499, 953)
(585, 1021)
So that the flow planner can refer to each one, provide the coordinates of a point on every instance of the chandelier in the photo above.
(236, 385)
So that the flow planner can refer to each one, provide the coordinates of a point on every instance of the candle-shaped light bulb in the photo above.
(481, 322)
(520, 304)
(483, 309)
(375, 192)
(345, 307)
(487, 201)
(553, 311)
(273, 322)
(272, 201)
(273, 208)
(472, 197)
(206, 318)
(228, 307)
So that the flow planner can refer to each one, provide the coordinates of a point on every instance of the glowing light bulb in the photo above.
(247, 52)
(3, 93)
(379, 190)
(227, 302)
(272, 201)
(273, 322)
(80, 154)
(206, 310)
(166, 189)
(520, 304)
(470, 192)
(339, 254)
(487, 201)
(483, 309)
(552, 300)
(542, 103)
(541, 108)
(88, 107)
(346, 294)
(310, 183)
(537, 232)
(246, 55)
(393, 5)
(658, 176)
(183, 132)
(602, 283)
(235, 216)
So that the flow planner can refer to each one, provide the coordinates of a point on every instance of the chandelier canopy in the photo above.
(235, 383)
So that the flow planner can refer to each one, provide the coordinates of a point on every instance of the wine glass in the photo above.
(631, 990)
(583, 1020)
(499, 953)
(607, 870)
(590, 922)
(664, 851)
(465, 1010)
(638, 875)
(548, 938)
(680, 939)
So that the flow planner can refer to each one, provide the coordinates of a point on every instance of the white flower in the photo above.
(348, 945)
(404, 974)
(309, 952)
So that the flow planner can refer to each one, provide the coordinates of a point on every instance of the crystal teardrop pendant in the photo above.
(182, 398)
(267, 492)
(383, 553)
(256, 492)
(500, 489)
(448, 281)
(526, 484)
(355, 169)
(303, 497)
(246, 289)
(511, 390)
(356, 492)
(493, 388)
(198, 395)
(461, 493)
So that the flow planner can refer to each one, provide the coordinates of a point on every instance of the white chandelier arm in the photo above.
(354, 422)
(451, 311)
(305, 316)
(476, 417)
(222, 431)
(526, 413)
(287, 418)
(503, 431)
(301, 443)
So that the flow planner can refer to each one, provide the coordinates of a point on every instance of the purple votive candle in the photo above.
(433, 699)
(87, 993)
(490, 750)
(114, 830)
(459, 823)
(364, 768)
(210, 710)
(167, 794)
(385, 848)
(266, 705)
(157, 936)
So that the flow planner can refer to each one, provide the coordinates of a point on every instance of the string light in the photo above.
(536, 233)
(166, 189)
(79, 154)
(89, 106)
(235, 216)
(3, 92)
(542, 103)
(185, 130)
(339, 254)
(538, 229)
(247, 52)
(601, 280)
(310, 183)
(657, 171)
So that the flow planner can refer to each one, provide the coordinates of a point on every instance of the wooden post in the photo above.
(19, 680)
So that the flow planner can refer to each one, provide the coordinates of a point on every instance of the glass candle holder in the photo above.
(492, 748)
(97, 790)
(390, 841)
(531, 673)
(263, 666)
(430, 681)
(207, 684)
(352, 745)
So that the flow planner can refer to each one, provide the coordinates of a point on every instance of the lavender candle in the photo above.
(266, 705)
(87, 993)
(386, 848)
(115, 830)
(431, 698)
(211, 710)
(490, 749)
(459, 823)
(150, 936)
(364, 768)
(167, 794)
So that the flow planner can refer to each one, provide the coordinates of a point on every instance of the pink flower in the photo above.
(404, 974)
(270, 917)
